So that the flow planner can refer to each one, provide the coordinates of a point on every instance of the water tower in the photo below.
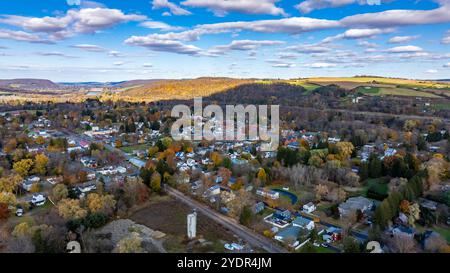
(192, 225)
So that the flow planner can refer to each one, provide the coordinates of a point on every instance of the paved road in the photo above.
(248, 235)
(251, 237)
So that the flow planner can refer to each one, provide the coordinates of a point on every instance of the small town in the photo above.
(95, 171)
(225, 135)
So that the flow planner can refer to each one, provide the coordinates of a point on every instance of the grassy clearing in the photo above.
(368, 90)
(406, 92)
(305, 84)
(377, 185)
(445, 232)
(394, 81)
(441, 106)
(130, 149)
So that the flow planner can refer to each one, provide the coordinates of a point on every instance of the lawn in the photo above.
(370, 90)
(130, 149)
(441, 106)
(445, 232)
(377, 185)
(406, 92)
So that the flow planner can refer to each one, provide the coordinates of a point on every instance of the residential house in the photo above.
(303, 223)
(29, 182)
(289, 233)
(268, 193)
(309, 208)
(258, 207)
(353, 204)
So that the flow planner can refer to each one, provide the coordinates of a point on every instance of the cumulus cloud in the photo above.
(115, 53)
(320, 65)
(221, 8)
(367, 44)
(287, 56)
(392, 18)
(21, 36)
(405, 49)
(55, 53)
(359, 33)
(446, 39)
(402, 39)
(89, 47)
(75, 21)
(160, 25)
(280, 63)
(174, 8)
(164, 45)
(309, 5)
(283, 65)
(309, 48)
(243, 45)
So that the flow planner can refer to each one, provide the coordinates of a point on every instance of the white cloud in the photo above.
(85, 20)
(115, 53)
(309, 48)
(309, 5)
(446, 39)
(21, 36)
(402, 39)
(393, 18)
(367, 44)
(147, 65)
(287, 56)
(54, 53)
(89, 47)
(431, 71)
(164, 45)
(221, 8)
(120, 63)
(446, 65)
(174, 8)
(405, 49)
(283, 65)
(320, 65)
(243, 45)
(160, 25)
(359, 33)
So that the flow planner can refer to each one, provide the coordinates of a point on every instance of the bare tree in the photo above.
(402, 244)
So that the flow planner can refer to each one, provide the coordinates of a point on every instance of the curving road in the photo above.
(251, 237)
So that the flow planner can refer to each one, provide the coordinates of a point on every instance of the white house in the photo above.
(303, 223)
(38, 199)
(309, 208)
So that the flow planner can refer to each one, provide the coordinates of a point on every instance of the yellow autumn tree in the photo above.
(8, 198)
(71, 209)
(345, 149)
(262, 176)
(10, 183)
(40, 164)
(23, 166)
(100, 203)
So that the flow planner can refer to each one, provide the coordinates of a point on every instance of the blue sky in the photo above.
(115, 40)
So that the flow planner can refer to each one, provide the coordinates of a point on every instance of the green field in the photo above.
(406, 92)
(368, 90)
(445, 232)
(377, 185)
(130, 149)
(441, 106)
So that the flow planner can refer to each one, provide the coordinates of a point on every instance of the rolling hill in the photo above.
(181, 89)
